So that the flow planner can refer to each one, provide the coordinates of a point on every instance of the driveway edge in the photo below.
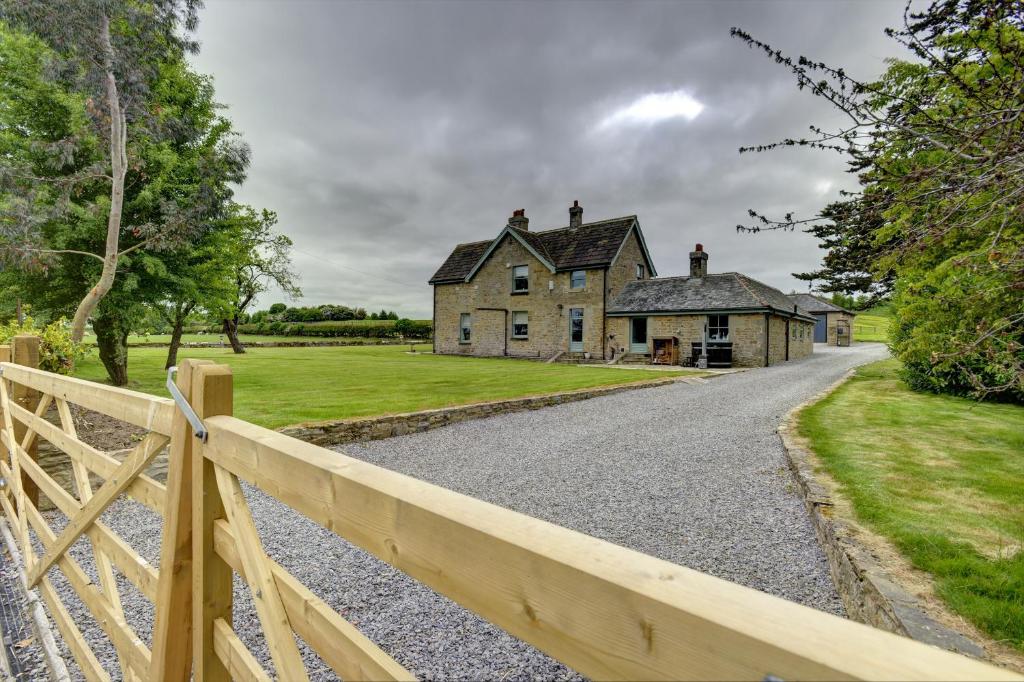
(360, 429)
(869, 593)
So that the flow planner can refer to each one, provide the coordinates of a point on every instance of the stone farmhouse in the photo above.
(590, 292)
(834, 325)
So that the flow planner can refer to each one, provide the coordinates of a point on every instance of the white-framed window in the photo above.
(520, 278)
(718, 327)
(578, 279)
(640, 270)
(520, 324)
(465, 327)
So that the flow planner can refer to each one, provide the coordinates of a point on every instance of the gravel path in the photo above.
(693, 474)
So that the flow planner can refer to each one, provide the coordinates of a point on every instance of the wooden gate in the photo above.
(606, 611)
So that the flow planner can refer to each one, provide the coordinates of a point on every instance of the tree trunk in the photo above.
(19, 312)
(179, 325)
(231, 331)
(118, 168)
(112, 341)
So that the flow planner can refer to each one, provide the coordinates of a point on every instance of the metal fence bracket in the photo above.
(186, 409)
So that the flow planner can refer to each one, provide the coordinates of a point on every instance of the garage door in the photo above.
(820, 329)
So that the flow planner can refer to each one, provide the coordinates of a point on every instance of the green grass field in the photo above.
(136, 339)
(941, 477)
(279, 386)
(872, 324)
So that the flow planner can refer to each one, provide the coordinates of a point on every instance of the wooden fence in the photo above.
(606, 611)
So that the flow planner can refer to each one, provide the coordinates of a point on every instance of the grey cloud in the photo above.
(384, 133)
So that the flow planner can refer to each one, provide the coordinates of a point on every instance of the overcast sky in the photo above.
(384, 133)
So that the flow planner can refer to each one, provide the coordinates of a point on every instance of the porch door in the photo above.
(576, 330)
(638, 335)
(820, 329)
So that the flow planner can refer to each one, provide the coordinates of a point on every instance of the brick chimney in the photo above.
(575, 214)
(698, 262)
(519, 219)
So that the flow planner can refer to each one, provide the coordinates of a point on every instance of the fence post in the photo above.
(172, 632)
(5, 356)
(25, 351)
(211, 577)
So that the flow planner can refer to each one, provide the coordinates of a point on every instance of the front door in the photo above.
(576, 330)
(638, 335)
(820, 329)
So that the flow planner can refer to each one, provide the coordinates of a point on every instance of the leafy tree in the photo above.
(261, 257)
(937, 143)
(277, 308)
(110, 56)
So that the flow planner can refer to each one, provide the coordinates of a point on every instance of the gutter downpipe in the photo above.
(767, 338)
(604, 314)
(433, 321)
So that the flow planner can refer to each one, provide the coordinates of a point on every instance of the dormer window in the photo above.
(639, 270)
(520, 279)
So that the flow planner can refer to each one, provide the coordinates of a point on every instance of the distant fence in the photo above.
(606, 611)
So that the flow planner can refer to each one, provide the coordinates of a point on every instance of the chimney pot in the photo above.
(700, 247)
(575, 214)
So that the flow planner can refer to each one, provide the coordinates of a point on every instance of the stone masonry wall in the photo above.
(547, 305)
(777, 340)
(832, 321)
(747, 335)
(491, 287)
(801, 339)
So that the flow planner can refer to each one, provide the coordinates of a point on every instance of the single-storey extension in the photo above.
(833, 325)
(589, 292)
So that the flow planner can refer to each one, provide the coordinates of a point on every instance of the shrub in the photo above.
(57, 352)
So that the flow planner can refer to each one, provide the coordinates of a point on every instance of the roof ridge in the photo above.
(594, 222)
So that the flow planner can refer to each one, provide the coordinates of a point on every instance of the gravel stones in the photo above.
(694, 474)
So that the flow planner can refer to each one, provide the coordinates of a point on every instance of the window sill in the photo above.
(520, 338)
(465, 343)
(520, 293)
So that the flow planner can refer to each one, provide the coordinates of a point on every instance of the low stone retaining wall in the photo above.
(374, 428)
(869, 594)
(285, 344)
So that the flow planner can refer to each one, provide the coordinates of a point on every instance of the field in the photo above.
(942, 478)
(136, 339)
(872, 324)
(279, 386)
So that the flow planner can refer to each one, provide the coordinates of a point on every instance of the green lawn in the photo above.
(136, 339)
(279, 386)
(941, 477)
(872, 324)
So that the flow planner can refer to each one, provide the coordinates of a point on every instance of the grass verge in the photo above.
(942, 478)
(279, 386)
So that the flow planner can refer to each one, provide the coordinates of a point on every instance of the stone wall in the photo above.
(375, 428)
(870, 595)
(832, 321)
(747, 335)
(776, 340)
(547, 304)
(801, 339)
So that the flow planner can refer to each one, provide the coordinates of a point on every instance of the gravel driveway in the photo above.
(693, 474)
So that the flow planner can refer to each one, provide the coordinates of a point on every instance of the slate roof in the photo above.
(460, 262)
(719, 291)
(813, 304)
(566, 248)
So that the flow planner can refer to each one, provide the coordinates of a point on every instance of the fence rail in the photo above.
(606, 611)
